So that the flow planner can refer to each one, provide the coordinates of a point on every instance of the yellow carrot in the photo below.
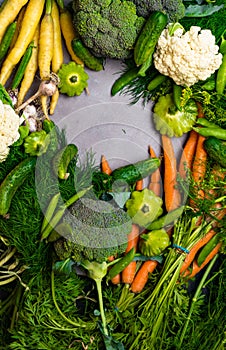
(69, 34)
(58, 55)
(9, 14)
(31, 19)
(45, 50)
(19, 21)
(30, 70)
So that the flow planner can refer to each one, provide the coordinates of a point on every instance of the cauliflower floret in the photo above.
(9, 129)
(187, 57)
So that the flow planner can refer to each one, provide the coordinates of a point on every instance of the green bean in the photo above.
(207, 249)
(22, 66)
(219, 133)
(221, 77)
(7, 39)
(50, 210)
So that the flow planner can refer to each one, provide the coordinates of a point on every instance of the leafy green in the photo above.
(202, 10)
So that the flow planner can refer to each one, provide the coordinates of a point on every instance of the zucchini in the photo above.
(216, 149)
(91, 61)
(148, 37)
(62, 159)
(13, 181)
(133, 172)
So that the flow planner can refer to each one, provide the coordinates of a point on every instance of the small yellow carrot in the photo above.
(9, 14)
(30, 71)
(45, 50)
(33, 13)
(69, 33)
(19, 20)
(58, 55)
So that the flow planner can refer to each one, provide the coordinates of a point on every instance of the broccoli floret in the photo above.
(175, 9)
(108, 28)
(98, 230)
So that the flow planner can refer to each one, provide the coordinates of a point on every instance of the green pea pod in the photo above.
(166, 220)
(156, 81)
(219, 133)
(50, 211)
(177, 92)
(207, 123)
(124, 80)
(207, 249)
(121, 264)
(7, 39)
(22, 66)
(221, 77)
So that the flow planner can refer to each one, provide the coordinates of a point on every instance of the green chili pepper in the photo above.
(121, 264)
(219, 133)
(22, 66)
(207, 249)
(7, 39)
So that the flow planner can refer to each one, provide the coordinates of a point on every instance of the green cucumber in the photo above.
(216, 150)
(62, 159)
(13, 181)
(134, 172)
(90, 61)
(124, 80)
(148, 37)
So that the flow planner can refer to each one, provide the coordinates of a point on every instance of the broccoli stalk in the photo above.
(97, 271)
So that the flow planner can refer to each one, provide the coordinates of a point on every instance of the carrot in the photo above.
(172, 194)
(19, 21)
(191, 255)
(69, 33)
(129, 272)
(58, 55)
(155, 178)
(199, 163)
(139, 185)
(9, 13)
(105, 166)
(45, 50)
(31, 19)
(200, 110)
(30, 70)
(188, 153)
(142, 276)
(196, 269)
(116, 279)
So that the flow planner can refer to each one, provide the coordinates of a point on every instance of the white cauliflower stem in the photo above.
(187, 57)
(9, 126)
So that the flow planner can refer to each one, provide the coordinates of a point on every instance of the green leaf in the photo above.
(202, 10)
(64, 266)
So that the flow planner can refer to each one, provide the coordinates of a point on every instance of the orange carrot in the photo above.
(200, 110)
(172, 194)
(116, 279)
(199, 163)
(139, 185)
(142, 275)
(196, 268)
(129, 272)
(188, 153)
(191, 255)
(155, 178)
(105, 166)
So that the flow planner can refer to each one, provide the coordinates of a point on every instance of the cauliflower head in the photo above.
(9, 129)
(187, 57)
(108, 28)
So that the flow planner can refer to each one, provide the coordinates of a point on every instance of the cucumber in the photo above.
(148, 37)
(91, 61)
(62, 160)
(13, 181)
(216, 149)
(7, 39)
(133, 172)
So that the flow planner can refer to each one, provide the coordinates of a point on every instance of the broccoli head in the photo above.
(108, 28)
(175, 9)
(98, 230)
